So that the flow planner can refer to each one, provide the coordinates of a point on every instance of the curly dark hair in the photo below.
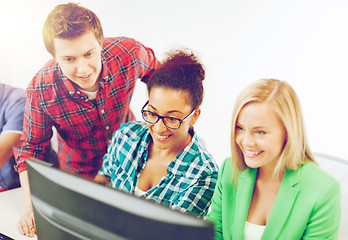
(181, 70)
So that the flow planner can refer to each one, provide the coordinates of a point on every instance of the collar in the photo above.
(181, 163)
(283, 204)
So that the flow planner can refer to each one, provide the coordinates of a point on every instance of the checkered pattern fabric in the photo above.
(84, 126)
(191, 176)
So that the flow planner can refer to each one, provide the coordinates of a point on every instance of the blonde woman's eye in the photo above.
(239, 128)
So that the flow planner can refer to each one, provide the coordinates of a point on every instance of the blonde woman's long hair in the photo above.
(286, 105)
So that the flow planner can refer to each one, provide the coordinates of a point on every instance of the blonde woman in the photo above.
(271, 187)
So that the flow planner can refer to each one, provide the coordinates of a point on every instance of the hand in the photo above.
(26, 224)
(102, 179)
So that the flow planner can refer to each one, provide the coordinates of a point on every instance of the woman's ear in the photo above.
(195, 116)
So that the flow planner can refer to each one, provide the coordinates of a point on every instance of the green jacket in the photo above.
(307, 205)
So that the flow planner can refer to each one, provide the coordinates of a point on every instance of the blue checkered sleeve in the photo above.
(196, 198)
(107, 165)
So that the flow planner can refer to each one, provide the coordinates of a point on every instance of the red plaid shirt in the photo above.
(84, 126)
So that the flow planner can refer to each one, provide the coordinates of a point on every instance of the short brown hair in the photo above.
(70, 21)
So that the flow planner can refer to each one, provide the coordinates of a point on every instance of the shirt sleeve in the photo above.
(197, 198)
(147, 62)
(325, 219)
(37, 132)
(14, 111)
(108, 167)
(215, 213)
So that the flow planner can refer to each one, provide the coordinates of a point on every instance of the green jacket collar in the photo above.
(281, 209)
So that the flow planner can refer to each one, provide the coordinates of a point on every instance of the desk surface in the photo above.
(11, 208)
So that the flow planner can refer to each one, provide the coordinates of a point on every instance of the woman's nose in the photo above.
(159, 126)
(248, 140)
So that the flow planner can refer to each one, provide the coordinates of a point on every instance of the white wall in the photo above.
(304, 42)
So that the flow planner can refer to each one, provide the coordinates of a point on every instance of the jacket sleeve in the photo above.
(324, 221)
(215, 213)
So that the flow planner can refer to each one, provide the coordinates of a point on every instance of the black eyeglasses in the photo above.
(170, 122)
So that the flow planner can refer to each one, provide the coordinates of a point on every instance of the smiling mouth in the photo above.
(161, 137)
(84, 78)
(252, 154)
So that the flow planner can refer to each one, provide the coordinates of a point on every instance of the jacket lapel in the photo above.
(246, 182)
(283, 204)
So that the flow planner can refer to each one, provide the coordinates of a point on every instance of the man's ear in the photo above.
(195, 116)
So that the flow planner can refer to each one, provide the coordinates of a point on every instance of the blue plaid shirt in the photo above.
(191, 176)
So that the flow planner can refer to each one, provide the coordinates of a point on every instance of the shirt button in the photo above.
(78, 92)
(102, 111)
(86, 100)
(107, 127)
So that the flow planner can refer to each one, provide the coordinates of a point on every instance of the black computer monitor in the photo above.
(67, 206)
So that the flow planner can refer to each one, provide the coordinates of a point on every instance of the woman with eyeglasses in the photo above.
(161, 159)
(271, 187)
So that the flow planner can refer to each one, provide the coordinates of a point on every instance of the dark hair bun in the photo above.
(181, 70)
(186, 61)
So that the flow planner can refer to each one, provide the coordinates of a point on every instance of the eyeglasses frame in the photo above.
(163, 117)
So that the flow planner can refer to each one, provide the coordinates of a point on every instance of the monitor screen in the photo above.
(67, 206)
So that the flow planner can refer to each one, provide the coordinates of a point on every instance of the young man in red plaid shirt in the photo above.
(84, 92)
